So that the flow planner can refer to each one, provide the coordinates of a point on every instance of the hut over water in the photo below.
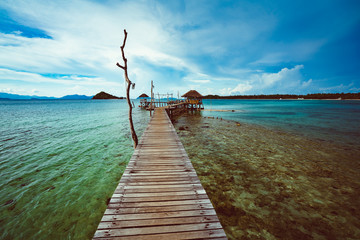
(194, 99)
(143, 102)
(143, 96)
(192, 94)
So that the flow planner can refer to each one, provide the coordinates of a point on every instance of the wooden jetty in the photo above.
(193, 102)
(190, 105)
(159, 195)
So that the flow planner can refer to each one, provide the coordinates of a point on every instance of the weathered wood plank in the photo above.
(126, 187)
(118, 217)
(158, 194)
(167, 174)
(158, 203)
(205, 234)
(157, 209)
(159, 179)
(157, 190)
(157, 230)
(157, 198)
(156, 222)
(188, 181)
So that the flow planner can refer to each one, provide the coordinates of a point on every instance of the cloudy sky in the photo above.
(57, 48)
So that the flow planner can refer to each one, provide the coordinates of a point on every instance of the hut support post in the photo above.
(152, 98)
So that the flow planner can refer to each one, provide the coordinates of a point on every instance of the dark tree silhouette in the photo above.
(129, 83)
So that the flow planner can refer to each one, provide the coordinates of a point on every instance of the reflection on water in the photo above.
(268, 184)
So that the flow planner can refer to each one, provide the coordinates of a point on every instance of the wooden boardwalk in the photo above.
(159, 195)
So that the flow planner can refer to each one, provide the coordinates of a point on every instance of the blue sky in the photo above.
(57, 48)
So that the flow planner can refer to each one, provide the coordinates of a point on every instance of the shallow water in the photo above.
(60, 161)
(266, 183)
(293, 177)
(326, 120)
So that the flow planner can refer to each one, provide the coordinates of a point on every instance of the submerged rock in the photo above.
(182, 128)
(9, 202)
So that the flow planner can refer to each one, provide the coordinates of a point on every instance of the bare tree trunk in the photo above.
(133, 133)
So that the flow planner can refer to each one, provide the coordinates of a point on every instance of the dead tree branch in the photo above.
(129, 83)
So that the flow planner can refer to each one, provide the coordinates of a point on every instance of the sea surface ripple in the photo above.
(60, 161)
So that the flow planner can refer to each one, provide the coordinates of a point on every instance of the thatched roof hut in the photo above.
(193, 94)
(143, 96)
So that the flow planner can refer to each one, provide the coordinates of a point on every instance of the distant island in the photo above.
(100, 95)
(104, 95)
(290, 96)
(10, 96)
(76, 97)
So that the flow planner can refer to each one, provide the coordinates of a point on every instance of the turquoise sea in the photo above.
(327, 120)
(60, 160)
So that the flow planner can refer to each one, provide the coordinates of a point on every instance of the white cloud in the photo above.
(338, 88)
(224, 91)
(86, 37)
(12, 75)
(242, 88)
(291, 76)
(12, 82)
(179, 48)
(7, 90)
(17, 32)
(307, 83)
(354, 89)
(291, 51)
(199, 81)
(285, 81)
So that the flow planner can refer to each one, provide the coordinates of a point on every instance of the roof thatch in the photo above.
(192, 94)
(143, 95)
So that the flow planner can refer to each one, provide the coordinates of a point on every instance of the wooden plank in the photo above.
(157, 190)
(159, 195)
(188, 181)
(159, 187)
(157, 198)
(118, 217)
(166, 174)
(156, 209)
(158, 203)
(205, 234)
(159, 179)
(156, 222)
(157, 230)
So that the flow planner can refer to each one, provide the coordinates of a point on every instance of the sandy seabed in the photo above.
(268, 184)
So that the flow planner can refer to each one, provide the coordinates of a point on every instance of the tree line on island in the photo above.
(290, 96)
(104, 95)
